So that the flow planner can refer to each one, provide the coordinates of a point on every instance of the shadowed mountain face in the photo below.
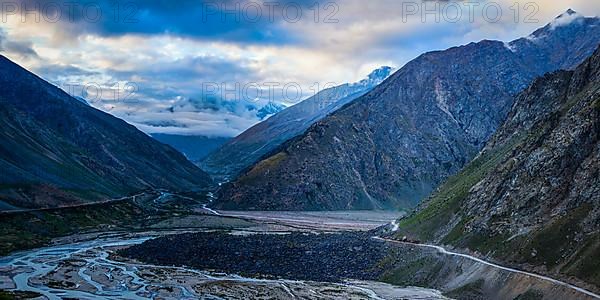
(533, 195)
(247, 148)
(391, 147)
(192, 146)
(57, 150)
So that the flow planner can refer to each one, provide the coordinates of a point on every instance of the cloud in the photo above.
(170, 51)
(22, 49)
(242, 21)
(191, 117)
(196, 69)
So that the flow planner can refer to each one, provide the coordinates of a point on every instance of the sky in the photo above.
(200, 67)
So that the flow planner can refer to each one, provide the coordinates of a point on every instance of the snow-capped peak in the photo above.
(376, 77)
(566, 18)
(270, 109)
(569, 12)
(381, 73)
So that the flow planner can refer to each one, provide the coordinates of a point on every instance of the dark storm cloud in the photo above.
(243, 21)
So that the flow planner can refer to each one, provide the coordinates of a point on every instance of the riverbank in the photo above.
(292, 257)
(87, 267)
(324, 255)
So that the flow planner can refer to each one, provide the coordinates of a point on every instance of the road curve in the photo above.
(446, 252)
(16, 211)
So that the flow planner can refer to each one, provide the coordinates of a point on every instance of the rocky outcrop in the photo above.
(57, 150)
(390, 148)
(532, 197)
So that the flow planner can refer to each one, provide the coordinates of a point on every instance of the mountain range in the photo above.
(57, 150)
(390, 148)
(532, 196)
(247, 148)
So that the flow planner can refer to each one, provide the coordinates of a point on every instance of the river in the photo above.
(88, 270)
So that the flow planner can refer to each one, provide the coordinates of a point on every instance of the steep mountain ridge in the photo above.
(247, 148)
(542, 47)
(532, 197)
(57, 150)
(390, 148)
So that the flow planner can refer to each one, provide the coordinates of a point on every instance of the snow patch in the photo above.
(511, 47)
(375, 78)
(532, 38)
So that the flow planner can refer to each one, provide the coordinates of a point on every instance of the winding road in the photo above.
(126, 280)
(122, 199)
(481, 261)
(440, 250)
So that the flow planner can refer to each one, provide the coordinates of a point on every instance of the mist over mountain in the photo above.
(245, 149)
(392, 147)
(237, 106)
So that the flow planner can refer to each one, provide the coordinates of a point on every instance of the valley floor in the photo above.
(85, 266)
(213, 255)
(90, 270)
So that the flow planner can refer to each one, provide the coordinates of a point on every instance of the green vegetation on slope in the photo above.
(446, 201)
(35, 229)
(26, 230)
(264, 166)
(535, 205)
(557, 247)
(471, 290)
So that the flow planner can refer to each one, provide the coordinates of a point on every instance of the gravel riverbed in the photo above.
(296, 256)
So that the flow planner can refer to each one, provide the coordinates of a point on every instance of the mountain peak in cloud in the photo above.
(376, 77)
(570, 22)
(268, 110)
(381, 73)
(569, 12)
(566, 18)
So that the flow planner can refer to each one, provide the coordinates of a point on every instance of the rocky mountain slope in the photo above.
(57, 150)
(532, 197)
(247, 148)
(390, 148)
